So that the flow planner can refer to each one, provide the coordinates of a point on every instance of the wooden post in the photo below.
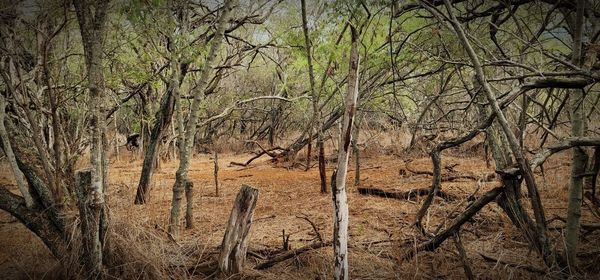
(216, 172)
(90, 212)
(189, 210)
(235, 241)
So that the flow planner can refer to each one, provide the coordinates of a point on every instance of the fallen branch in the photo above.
(263, 152)
(312, 224)
(291, 254)
(437, 240)
(406, 195)
(542, 155)
(463, 256)
(453, 177)
(520, 266)
(586, 227)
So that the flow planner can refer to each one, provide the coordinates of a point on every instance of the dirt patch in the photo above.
(380, 228)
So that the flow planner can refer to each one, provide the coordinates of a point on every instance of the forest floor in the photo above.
(381, 229)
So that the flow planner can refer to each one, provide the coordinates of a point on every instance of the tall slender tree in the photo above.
(338, 192)
(91, 16)
(181, 176)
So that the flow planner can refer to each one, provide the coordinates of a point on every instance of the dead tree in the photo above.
(235, 241)
(339, 195)
(521, 160)
(438, 239)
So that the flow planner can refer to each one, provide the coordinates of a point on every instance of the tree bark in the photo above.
(37, 220)
(315, 121)
(163, 120)
(216, 172)
(92, 17)
(579, 157)
(186, 152)
(339, 195)
(189, 200)
(8, 151)
(235, 241)
(322, 174)
(90, 212)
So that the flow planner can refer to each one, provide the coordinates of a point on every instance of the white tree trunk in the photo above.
(339, 195)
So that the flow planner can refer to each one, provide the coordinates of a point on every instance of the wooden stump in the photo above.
(235, 241)
(90, 214)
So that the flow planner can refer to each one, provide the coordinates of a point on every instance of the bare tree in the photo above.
(181, 175)
(339, 195)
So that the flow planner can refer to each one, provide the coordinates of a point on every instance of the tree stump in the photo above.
(235, 241)
(90, 214)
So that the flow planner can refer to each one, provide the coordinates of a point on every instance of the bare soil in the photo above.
(381, 229)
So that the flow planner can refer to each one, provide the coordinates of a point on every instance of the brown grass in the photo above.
(380, 229)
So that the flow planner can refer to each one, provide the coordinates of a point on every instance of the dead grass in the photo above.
(380, 229)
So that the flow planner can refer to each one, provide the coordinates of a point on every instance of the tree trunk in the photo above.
(92, 17)
(536, 202)
(216, 172)
(340, 198)
(510, 199)
(315, 120)
(186, 152)
(8, 151)
(235, 241)
(356, 152)
(322, 174)
(189, 210)
(90, 211)
(579, 157)
(37, 220)
(163, 120)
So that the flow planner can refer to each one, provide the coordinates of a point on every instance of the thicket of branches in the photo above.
(79, 77)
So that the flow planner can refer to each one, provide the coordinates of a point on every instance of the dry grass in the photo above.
(380, 229)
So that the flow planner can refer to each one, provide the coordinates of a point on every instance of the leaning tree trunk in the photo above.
(186, 152)
(522, 161)
(510, 199)
(339, 195)
(163, 120)
(235, 241)
(8, 151)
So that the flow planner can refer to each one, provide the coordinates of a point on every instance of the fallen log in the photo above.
(437, 240)
(405, 195)
(290, 254)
